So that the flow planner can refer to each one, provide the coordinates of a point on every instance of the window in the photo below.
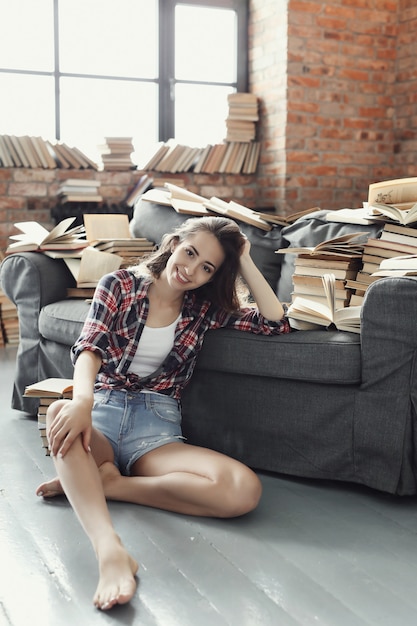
(81, 70)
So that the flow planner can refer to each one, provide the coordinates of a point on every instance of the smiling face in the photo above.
(194, 261)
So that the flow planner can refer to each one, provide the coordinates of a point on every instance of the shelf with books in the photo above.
(36, 152)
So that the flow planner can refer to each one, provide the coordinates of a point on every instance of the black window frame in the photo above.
(166, 46)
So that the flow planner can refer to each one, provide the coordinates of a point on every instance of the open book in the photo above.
(345, 245)
(92, 265)
(35, 237)
(187, 202)
(306, 314)
(401, 192)
(237, 211)
(401, 215)
(180, 199)
(50, 388)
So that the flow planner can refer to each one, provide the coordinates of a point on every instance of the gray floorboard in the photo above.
(313, 553)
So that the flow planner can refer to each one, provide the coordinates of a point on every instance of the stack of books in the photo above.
(307, 314)
(48, 391)
(395, 241)
(9, 321)
(35, 152)
(242, 117)
(340, 256)
(80, 190)
(116, 153)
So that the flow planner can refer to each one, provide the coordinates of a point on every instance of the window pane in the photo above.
(94, 109)
(108, 37)
(28, 108)
(205, 44)
(200, 114)
(27, 35)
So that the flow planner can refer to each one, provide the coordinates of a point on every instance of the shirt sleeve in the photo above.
(250, 320)
(100, 319)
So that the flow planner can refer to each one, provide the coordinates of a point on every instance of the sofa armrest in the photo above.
(45, 279)
(387, 399)
(31, 280)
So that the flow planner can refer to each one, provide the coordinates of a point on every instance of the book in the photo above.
(310, 314)
(405, 265)
(400, 192)
(345, 245)
(50, 388)
(399, 237)
(338, 272)
(179, 198)
(401, 215)
(106, 226)
(361, 215)
(36, 237)
(92, 265)
(143, 184)
(387, 247)
(237, 211)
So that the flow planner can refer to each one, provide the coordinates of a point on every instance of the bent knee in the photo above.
(53, 409)
(243, 497)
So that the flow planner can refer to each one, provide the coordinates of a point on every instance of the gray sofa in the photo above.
(319, 404)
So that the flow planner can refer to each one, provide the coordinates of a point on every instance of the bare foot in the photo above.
(117, 582)
(109, 474)
(50, 489)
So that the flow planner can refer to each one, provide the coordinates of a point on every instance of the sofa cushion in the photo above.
(325, 356)
(309, 231)
(153, 220)
(62, 321)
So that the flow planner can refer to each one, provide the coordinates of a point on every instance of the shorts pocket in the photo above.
(166, 408)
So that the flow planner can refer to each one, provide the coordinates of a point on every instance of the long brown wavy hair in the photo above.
(226, 289)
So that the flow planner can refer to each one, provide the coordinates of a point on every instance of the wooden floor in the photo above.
(313, 553)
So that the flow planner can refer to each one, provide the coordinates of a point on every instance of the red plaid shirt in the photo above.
(115, 322)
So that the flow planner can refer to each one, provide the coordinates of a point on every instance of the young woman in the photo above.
(119, 438)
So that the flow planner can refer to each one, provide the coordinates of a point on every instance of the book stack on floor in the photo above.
(35, 152)
(9, 321)
(79, 190)
(48, 391)
(340, 257)
(116, 153)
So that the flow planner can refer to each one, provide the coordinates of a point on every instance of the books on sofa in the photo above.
(307, 314)
(92, 265)
(35, 237)
(348, 245)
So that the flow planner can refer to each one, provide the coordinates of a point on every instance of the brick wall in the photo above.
(337, 81)
(405, 93)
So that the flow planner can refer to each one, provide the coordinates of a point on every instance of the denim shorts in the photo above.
(136, 423)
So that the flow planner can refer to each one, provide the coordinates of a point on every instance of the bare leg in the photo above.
(80, 479)
(186, 479)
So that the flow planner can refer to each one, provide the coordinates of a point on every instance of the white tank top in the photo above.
(154, 346)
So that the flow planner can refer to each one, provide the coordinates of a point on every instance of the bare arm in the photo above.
(74, 417)
(267, 302)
